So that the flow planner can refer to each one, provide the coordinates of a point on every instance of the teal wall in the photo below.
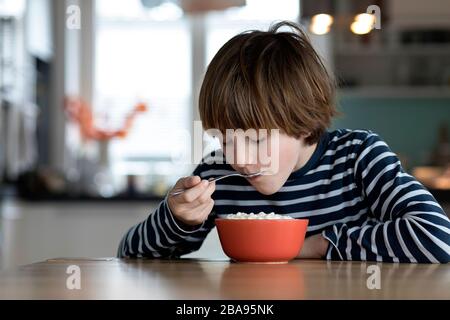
(408, 125)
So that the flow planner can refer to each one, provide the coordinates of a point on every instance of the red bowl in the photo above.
(254, 240)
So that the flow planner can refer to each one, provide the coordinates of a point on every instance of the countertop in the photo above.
(111, 278)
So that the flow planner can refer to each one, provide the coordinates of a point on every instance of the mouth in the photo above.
(258, 176)
(254, 178)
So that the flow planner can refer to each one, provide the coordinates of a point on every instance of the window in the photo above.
(140, 58)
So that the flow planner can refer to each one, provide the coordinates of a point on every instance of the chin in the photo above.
(267, 188)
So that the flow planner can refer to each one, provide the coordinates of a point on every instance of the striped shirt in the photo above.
(353, 190)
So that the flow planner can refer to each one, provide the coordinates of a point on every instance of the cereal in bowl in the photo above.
(259, 216)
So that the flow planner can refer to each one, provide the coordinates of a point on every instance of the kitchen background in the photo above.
(97, 96)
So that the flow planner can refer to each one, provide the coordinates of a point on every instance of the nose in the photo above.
(246, 158)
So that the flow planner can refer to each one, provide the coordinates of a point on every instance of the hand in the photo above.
(314, 247)
(193, 206)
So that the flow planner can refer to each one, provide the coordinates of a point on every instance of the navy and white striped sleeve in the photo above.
(162, 236)
(406, 224)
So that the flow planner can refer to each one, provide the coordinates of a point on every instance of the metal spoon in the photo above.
(248, 175)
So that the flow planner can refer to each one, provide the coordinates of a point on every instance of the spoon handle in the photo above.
(180, 191)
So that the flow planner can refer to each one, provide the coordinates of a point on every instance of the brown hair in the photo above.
(268, 80)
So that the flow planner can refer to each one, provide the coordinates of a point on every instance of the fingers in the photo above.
(197, 215)
(195, 204)
(191, 194)
(204, 210)
(189, 182)
(206, 195)
(209, 207)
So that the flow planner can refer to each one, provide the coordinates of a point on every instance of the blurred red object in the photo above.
(80, 112)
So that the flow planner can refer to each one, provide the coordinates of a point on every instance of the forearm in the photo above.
(159, 236)
(314, 247)
(400, 240)
(405, 223)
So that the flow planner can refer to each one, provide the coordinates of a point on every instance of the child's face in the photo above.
(291, 154)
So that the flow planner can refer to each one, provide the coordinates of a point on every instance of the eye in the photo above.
(260, 140)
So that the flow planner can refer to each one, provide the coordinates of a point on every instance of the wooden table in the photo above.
(112, 278)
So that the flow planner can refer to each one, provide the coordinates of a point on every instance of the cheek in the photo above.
(287, 155)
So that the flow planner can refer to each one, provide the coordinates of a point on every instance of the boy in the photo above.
(360, 203)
